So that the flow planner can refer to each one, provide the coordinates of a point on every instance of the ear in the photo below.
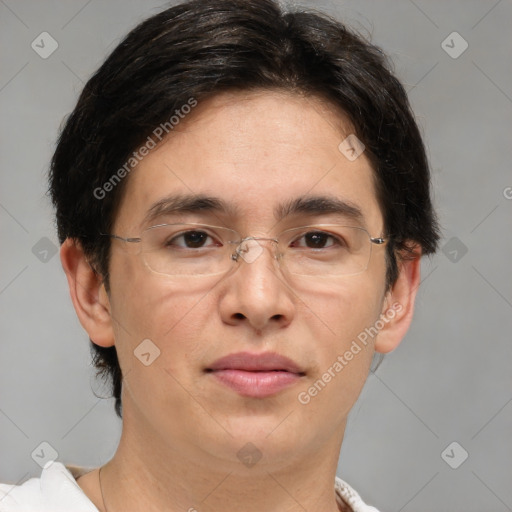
(398, 307)
(88, 294)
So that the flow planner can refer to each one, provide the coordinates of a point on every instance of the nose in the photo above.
(256, 292)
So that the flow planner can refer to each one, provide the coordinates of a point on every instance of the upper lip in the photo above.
(265, 362)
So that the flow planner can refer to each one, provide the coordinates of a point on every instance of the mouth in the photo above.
(256, 375)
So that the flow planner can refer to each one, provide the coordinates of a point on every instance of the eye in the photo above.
(318, 240)
(190, 239)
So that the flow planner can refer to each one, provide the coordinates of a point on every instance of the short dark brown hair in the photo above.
(198, 49)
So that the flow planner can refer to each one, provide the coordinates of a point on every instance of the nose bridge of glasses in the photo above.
(249, 248)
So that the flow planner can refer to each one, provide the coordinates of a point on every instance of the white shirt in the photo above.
(56, 490)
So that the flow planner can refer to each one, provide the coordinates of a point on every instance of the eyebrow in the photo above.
(311, 205)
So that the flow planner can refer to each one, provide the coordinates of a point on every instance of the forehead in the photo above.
(258, 153)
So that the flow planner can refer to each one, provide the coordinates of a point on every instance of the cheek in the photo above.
(342, 309)
(347, 311)
(147, 306)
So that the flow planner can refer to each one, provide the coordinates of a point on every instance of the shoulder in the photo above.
(351, 497)
(54, 491)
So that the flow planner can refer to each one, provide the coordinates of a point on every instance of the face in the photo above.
(254, 151)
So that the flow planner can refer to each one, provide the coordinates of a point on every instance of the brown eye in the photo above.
(316, 240)
(190, 240)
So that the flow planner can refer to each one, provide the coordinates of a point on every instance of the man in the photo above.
(242, 197)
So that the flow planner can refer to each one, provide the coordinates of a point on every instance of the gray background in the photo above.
(450, 380)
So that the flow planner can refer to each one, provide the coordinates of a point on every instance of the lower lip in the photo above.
(256, 384)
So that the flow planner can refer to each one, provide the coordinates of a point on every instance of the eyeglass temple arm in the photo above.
(131, 240)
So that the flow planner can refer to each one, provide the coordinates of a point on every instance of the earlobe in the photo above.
(88, 294)
(398, 308)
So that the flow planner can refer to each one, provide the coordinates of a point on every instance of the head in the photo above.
(242, 101)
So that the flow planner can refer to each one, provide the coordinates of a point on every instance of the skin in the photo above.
(181, 428)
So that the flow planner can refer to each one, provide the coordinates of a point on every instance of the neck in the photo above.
(148, 474)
